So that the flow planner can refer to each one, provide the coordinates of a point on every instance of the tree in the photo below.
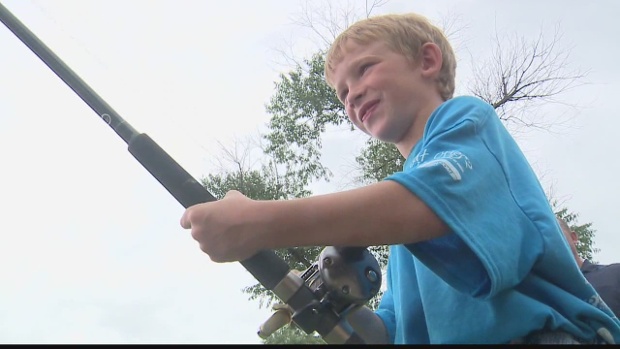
(293, 335)
(521, 75)
(302, 106)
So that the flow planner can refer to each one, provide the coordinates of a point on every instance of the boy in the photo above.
(472, 237)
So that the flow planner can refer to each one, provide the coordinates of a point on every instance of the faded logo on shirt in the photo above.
(453, 161)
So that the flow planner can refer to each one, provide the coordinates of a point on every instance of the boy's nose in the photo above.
(355, 98)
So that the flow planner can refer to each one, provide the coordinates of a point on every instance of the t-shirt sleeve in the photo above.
(459, 170)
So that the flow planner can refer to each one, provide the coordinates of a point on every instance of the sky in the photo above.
(91, 250)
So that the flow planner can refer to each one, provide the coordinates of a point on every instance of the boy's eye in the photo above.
(364, 67)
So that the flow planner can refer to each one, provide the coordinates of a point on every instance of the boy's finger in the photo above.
(232, 193)
(185, 221)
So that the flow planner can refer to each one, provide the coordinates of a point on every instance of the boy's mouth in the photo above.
(367, 109)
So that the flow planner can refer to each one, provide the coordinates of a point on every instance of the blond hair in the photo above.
(403, 33)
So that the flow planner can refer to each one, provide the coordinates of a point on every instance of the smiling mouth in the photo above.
(368, 111)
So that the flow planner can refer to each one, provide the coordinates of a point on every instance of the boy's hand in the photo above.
(223, 227)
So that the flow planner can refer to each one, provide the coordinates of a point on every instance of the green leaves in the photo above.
(293, 335)
(379, 160)
(586, 233)
(302, 105)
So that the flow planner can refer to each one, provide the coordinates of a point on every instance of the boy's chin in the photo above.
(387, 137)
(377, 132)
(367, 132)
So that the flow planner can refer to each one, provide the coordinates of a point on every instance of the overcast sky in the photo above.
(91, 250)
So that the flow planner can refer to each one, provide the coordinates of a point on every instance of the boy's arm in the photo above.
(235, 227)
(379, 214)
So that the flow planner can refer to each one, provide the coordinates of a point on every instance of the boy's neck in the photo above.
(406, 145)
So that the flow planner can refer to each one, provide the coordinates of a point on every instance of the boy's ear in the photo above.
(431, 59)
(574, 237)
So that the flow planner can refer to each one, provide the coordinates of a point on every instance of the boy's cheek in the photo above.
(350, 114)
(354, 121)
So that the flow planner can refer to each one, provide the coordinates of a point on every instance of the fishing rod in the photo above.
(317, 300)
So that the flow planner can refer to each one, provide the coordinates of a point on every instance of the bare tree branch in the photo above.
(521, 73)
(452, 26)
(324, 20)
(373, 5)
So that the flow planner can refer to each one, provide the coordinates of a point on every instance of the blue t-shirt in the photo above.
(505, 269)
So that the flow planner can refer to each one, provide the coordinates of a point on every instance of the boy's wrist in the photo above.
(263, 224)
(280, 223)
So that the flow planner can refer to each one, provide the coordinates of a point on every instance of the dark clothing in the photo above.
(606, 281)
(550, 337)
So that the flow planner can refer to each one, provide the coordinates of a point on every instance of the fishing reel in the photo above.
(340, 281)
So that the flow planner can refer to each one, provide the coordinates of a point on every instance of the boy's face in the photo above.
(385, 94)
(571, 238)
